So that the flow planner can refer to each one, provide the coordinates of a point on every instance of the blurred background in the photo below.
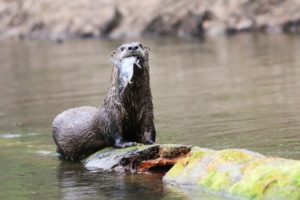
(63, 19)
(224, 74)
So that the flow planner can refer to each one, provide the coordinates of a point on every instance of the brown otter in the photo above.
(126, 116)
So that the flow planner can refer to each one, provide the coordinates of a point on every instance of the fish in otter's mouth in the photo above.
(127, 70)
(129, 58)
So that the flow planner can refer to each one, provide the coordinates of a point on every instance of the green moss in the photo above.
(297, 177)
(194, 158)
(184, 163)
(288, 186)
(234, 155)
(113, 152)
(270, 181)
(251, 165)
(216, 181)
(176, 170)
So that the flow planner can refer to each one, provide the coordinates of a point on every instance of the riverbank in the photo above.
(61, 19)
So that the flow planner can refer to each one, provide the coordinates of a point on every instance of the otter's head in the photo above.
(131, 63)
(133, 49)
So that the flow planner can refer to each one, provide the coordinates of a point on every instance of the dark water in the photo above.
(240, 92)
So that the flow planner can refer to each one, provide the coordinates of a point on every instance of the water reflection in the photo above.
(78, 183)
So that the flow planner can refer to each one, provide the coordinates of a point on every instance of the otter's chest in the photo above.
(133, 104)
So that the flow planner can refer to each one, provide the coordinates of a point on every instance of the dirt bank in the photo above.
(63, 19)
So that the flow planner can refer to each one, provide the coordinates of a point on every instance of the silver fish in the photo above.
(126, 69)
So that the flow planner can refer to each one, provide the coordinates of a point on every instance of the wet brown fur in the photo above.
(120, 122)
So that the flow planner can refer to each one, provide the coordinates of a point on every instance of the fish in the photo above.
(126, 69)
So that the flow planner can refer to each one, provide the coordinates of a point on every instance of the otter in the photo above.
(126, 117)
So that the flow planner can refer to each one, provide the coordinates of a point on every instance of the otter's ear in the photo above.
(147, 48)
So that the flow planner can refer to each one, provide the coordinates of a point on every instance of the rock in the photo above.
(237, 173)
(130, 159)
(112, 23)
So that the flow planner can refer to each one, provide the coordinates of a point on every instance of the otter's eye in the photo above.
(122, 48)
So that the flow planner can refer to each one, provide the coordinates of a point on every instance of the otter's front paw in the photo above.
(124, 144)
(148, 141)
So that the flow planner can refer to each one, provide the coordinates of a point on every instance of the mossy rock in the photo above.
(237, 173)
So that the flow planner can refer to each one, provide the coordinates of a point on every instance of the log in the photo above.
(237, 173)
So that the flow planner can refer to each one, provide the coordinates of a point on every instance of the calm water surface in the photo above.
(240, 92)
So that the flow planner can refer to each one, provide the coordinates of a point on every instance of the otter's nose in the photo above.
(133, 48)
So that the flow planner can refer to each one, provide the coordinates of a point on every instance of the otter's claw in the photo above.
(121, 145)
(130, 144)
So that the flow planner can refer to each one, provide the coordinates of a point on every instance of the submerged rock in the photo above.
(233, 172)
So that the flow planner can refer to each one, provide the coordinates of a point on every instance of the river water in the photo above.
(236, 92)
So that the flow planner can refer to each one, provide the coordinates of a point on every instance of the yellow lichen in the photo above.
(233, 155)
(216, 180)
(269, 180)
(240, 173)
(187, 162)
